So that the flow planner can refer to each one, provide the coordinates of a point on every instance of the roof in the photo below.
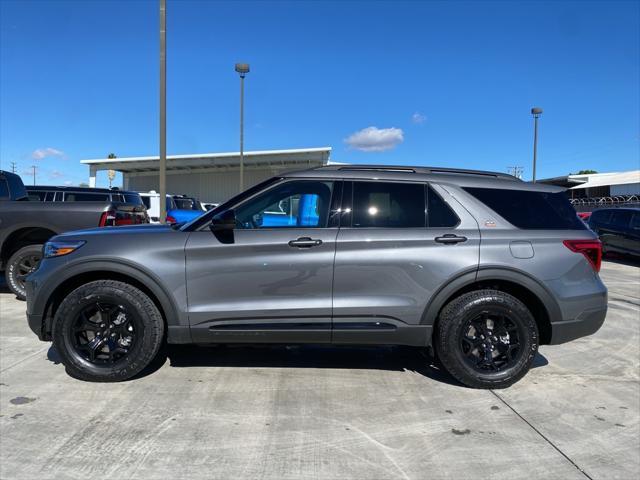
(604, 179)
(292, 158)
(590, 180)
(442, 176)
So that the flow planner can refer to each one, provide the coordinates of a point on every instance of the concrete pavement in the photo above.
(327, 412)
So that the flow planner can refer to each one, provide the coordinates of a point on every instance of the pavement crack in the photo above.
(542, 435)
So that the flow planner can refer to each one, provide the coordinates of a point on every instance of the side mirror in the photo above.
(225, 220)
(222, 226)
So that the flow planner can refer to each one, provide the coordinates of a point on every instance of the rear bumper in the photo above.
(587, 323)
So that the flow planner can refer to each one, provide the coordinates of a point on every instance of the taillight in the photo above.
(170, 219)
(591, 249)
(107, 219)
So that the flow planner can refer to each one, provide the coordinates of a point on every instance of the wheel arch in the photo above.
(92, 271)
(21, 237)
(514, 282)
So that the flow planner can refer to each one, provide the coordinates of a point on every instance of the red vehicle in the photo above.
(584, 216)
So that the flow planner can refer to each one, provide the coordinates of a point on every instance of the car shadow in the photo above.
(390, 358)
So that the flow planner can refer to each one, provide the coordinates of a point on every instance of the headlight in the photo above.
(59, 248)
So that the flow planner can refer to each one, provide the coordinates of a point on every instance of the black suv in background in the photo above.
(618, 229)
(46, 193)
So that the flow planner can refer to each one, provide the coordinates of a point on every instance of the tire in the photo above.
(464, 342)
(20, 263)
(142, 321)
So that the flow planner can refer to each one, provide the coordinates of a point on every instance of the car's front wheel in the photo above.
(486, 339)
(107, 331)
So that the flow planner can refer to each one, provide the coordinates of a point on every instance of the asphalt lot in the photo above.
(327, 412)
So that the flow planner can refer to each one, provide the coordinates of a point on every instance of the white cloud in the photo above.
(41, 153)
(56, 174)
(68, 182)
(418, 118)
(374, 139)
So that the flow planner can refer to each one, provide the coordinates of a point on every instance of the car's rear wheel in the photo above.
(107, 331)
(20, 264)
(486, 339)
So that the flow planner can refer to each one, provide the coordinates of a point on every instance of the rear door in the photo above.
(399, 242)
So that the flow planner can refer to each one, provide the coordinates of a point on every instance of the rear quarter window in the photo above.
(530, 210)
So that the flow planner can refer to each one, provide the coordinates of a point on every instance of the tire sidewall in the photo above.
(12, 265)
(452, 328)
(147, 322)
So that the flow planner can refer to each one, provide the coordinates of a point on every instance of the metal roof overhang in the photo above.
(216, 161)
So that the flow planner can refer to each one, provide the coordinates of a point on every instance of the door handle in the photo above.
(305, 242)
(450, 239)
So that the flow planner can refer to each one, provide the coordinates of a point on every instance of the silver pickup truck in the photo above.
(25, 225)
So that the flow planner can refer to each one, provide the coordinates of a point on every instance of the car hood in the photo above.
(147, 228)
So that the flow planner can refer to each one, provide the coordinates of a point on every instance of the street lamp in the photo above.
(536, 112)
(242, 69)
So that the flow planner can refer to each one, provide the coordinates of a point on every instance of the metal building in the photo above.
(210, 177)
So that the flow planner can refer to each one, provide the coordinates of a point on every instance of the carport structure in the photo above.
(210, 177)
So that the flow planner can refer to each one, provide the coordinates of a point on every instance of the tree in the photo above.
(112, 155)
(83, 184)
(586, 172)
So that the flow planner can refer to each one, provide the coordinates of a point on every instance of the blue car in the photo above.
(187, 209)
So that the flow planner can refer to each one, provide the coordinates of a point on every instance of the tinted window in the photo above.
(530, 210)
(86, 197)
(439, 214)
(388, 205)
(132, 198)
(185, 203)
(36, 196)
(291, 204)
(621, 218)
(147, 202)
(4, 188)
(635, 221)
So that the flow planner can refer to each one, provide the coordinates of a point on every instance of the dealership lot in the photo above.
(327, 412)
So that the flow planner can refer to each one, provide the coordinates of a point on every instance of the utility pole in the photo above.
(516, 171)
(34, 173)
(536, 112)
(163, 111)
(14, 167)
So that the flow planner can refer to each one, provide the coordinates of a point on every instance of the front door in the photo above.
(272, 281)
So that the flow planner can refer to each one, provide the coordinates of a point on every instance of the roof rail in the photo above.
(429, 170)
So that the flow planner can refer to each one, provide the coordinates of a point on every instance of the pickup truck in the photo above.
(25, 225)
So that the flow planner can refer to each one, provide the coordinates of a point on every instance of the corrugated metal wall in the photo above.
(210, 187)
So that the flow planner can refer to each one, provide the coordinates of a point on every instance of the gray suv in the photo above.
(479, 267)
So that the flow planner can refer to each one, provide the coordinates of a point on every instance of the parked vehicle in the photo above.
(46, 193)
(26, 225)
(618, 229)
(151, 200)
(338, 254)
(584, 216)
(187, 208)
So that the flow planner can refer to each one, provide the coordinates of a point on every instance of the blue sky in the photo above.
(441, 83)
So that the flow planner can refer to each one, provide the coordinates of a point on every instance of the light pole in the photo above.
(162, 180)
(242, 69)
(536, 112)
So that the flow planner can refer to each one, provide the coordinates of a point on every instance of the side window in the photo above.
(147, 202)
(86, 197)
(4, 188)
(388, 205)
(635, 221)
(293, 204)
(621, 219)
(439, 214)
